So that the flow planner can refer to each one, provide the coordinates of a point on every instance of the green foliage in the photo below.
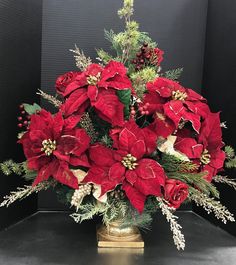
(125, 97)
(229, 151)
(107, 141)
(64, 194)
(127, 10)
(173, 164)
(230, 157)
(186, 171)
(174, 74)
(104, 56)
(140, 78)
(31, 109)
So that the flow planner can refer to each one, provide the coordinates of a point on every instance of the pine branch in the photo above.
(82, 62)
(178, 237)
(225, 180)
(231, 163)
(51, 99)
(10, 167)
(174, 74)
(87, 124)
(88, 210)
(196, 180)
(25, 191)
(173, 164)
(229, 152)
(210, 205)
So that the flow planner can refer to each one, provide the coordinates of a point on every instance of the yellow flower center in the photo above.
(48, 146)
(129, 162)
(93, 79)
(205, 157)
(178, 95)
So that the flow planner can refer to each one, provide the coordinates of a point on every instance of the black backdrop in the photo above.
(219, 83)
(20, 45)
(178, 26)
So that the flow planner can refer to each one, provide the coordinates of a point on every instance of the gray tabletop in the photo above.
(53, 238)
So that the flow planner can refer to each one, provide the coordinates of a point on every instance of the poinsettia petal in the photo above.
(131, 176)
(217, 159)
(46, 171)
(126, 139)
(116, 172)
(101, 155)
(149, 168)
(109, 108)
(76, 102)
(148, 186)
(92, 93)
(189, 147)
(138, 149)
(136, 198)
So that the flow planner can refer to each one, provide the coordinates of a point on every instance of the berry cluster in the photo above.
(143, 110)
(80, 194)
(23, 119)
(147, 56)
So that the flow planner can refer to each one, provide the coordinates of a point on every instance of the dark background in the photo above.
(20, 46)
(203, 45)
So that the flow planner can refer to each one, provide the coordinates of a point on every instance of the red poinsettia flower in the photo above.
(206, 148)
(51, 144)
(97, 87)
(127, 165)
(64, 80)
(175, 102)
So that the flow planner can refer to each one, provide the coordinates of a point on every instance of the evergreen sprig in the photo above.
(174, 74)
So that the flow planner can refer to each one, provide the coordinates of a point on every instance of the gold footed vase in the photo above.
(116, 236)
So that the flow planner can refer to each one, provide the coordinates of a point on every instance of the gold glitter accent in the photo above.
(93, 79)
(129, 162)
(178, 95)
(205, 157)
(48, 146)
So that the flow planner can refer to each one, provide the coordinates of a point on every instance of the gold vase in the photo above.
(117, 236)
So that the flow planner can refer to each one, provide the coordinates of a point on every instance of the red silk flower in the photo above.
(175, 103)
(128, 166)
(206, 148)
(97, 87)
(176, 192)
(51, 144)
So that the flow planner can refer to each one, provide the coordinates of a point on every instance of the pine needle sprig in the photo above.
(178, 237)
(210, 205)
(197, 180)
(51, 99)
(87, 124)
(174, 74)
(225, 180)
(82, 62)
(9, 167)
(23, 192)
(173, 164)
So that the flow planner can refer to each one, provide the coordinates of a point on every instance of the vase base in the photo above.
(106, 240)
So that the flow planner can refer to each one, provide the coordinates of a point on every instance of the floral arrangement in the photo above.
(126, 139)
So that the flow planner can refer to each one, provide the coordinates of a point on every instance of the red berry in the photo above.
(141, 61)
(147, 104)
(25, 123)
(37, 111)
(20, 125)
(19, 118)
(21, 107)
(145, 107)
(143, 113)
(140, 108)
(138, 54)
(133, 112)
(147, 56)
(28, 117)
(134, 61)
(146, 112)
(145, 44)
(23, 112)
